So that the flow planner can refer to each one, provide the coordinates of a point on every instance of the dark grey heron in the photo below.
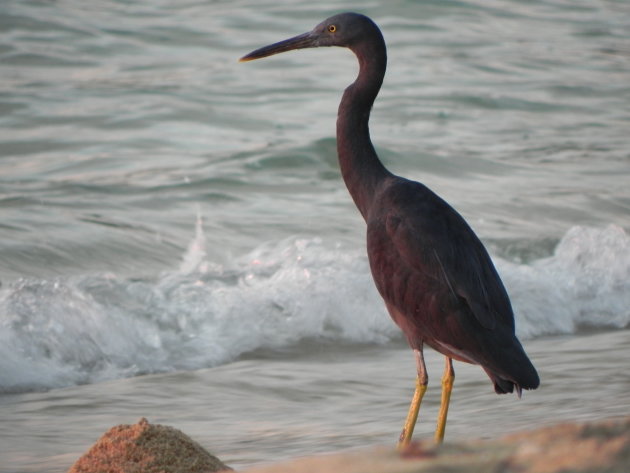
(434, 274)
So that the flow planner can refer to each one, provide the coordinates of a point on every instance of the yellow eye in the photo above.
(332, 28)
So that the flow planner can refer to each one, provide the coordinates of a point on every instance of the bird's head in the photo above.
(345, 30)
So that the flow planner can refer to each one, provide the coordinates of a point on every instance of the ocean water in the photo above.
(176, 241)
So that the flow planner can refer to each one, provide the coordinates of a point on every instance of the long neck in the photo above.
(361, 168)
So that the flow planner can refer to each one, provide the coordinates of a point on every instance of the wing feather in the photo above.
(435, 240)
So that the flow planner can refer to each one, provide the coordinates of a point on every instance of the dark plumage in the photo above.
(436, 277)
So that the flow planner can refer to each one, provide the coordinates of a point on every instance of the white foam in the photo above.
(585, 283)
(90, 328)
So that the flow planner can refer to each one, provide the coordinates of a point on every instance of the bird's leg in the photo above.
(447, 387)
(421, 386)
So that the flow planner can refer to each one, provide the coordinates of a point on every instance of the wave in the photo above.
(90, 328)
(584, 284)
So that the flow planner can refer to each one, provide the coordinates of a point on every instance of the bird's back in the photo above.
(440, 284)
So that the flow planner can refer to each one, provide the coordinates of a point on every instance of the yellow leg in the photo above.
(447, 387)
(414, 408)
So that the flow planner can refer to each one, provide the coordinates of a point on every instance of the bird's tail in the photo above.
(520, 375)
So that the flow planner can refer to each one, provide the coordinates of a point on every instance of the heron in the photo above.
(434, 274)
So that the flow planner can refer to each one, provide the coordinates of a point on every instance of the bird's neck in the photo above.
(361, 168)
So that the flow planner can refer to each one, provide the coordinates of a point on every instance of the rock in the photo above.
(146, 448)
(602, 447)
(594, 447)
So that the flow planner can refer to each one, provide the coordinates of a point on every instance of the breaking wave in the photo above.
(90, 328)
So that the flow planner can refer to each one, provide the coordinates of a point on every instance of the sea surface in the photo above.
(176, 241)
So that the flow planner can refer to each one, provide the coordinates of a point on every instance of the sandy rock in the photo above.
(594, 447)
(146, 448)
(602, 447)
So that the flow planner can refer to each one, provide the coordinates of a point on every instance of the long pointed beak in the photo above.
(306, 40)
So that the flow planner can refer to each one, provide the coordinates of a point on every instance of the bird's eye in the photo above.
(332, 28)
